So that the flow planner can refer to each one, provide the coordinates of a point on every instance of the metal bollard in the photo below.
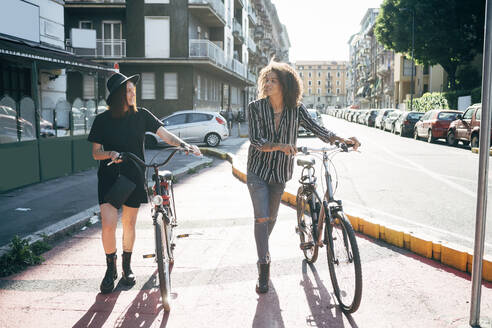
(238, 129)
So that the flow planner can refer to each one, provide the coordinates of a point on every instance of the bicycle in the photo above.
(312, 212)
(161, 196)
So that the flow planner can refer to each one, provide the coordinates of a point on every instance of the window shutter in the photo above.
(170, 85)
(88, 87)
(148, 86)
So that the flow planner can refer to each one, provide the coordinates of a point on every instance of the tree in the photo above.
(447, 32)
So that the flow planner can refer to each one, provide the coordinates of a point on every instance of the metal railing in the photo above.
(252, 15)
(112, 48)
(207, 49)
(237, 28)
(216, 5)
(251, 44)
(239, 68)
(252, 77)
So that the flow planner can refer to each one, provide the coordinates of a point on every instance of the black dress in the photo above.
(125, 134)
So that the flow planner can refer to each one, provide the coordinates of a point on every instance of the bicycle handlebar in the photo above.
(128, 155)
(338, 145)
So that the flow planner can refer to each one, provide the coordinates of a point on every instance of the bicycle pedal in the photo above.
(183, 235)
(306, 245)
(148, 256)
(173, 245)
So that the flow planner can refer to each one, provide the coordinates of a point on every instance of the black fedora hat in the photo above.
(116, 80)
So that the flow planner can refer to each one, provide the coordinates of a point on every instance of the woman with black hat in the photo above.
(122, 129)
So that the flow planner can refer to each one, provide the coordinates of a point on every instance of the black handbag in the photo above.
(120, 191)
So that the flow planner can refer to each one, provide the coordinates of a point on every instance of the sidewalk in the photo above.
(214, 276)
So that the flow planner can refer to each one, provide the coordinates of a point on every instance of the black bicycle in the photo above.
(161, 196)
(339, 237)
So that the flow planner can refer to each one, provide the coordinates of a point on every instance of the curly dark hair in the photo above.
(289, 80)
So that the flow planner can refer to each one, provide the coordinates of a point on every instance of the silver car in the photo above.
(194, 127)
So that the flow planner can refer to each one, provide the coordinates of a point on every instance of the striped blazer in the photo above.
(276, 166)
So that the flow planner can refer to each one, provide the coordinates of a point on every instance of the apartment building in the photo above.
(324, 83)
(191, 54)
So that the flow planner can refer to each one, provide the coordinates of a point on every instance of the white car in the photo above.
(194, 127)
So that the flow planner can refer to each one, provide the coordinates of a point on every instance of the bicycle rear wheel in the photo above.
(344, 263)
(162, 258)
(306, 225)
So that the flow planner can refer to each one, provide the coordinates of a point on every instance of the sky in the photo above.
(320, 29)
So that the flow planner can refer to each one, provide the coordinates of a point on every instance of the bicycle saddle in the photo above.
(168, 175)
(306, 162)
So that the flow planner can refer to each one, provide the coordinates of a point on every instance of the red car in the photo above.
(467, 128)
(434, 124)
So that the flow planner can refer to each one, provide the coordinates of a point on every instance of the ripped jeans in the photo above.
(266, 201)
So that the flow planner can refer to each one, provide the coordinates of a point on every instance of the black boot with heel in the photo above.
(107, 284)
(128, 276)
(263, 278)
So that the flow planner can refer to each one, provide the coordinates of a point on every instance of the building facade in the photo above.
(324, 83)
(194, 54)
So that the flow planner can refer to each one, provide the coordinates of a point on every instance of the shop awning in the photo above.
(51, 57)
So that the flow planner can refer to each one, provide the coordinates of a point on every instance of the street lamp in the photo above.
(412, 86)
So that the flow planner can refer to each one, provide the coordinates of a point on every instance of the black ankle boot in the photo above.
(128, 276)
(107, 284)
(263, 278)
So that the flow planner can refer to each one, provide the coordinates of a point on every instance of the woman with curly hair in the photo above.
(274, 119)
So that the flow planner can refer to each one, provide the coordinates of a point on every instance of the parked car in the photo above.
(371, 117)
(316, 116)
(434, 124)
(466, 128)
(390, 120)
(194, 127)
(381, 116)
(361, 119)
(405, 124)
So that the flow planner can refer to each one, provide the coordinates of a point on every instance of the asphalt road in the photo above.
(421, 187)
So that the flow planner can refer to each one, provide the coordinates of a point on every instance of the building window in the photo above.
(338, 82)
(338, 91)
(310, 91)
(148, 86)
(300, 74)
(319, 91)
(319, 74)
(157, 37)
(88, 87)
(319, 67)
(310, 83)
(156, 1)
(319, 99)
(319, 82)
(407, 67)
(170, 85)
(338, 74)
(301, 67)
(309, 67)
(328, 75)
(86, 25)
(198, 87)
(309, 74)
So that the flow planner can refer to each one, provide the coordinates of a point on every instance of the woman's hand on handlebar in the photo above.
(191, 149)
(288, 149)
(115, 157)
(352, 141)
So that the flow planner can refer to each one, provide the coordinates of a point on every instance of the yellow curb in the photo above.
(449, 255)
(421, 246)
(475, 150)
(454, 258)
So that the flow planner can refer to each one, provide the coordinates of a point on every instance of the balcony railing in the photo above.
(237, 29)
(216, 5)
(239, 68)
(251, 45)
(207, 49)
(252, 77)
(252, 15)
(113, 48)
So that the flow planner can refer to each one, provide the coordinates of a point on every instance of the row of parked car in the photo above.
(452, 125)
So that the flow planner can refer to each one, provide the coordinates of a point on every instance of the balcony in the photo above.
(259, 32)
(251, 45)
(239, 68)
(113, 48)
(210, 12)
(237, 31)
(252, 77)
(384, 70)
(207, 49)
(252, 16)
(95, 4)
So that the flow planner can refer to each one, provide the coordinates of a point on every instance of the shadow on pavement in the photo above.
(320, 301)
(268, 312)
(99, 312)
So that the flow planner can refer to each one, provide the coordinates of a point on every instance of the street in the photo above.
(214, 276)
(420, 187)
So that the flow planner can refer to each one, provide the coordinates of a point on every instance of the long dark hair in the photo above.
(117, 101)
(289, 80)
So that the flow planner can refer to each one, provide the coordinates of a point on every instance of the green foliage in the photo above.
(429, 101)
(21, 255)
(452, 97)
(476, 95)
(467, 77)
(449, 33)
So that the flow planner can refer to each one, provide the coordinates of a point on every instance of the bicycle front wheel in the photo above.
(344, 262)
(306, 225)
(162, 259)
